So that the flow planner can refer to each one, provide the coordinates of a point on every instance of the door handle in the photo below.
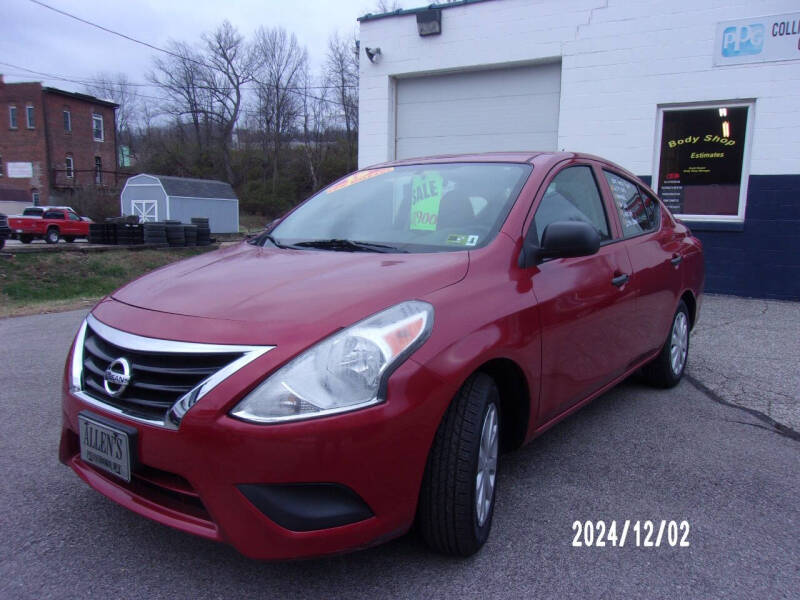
(676, 260)
(621, 280)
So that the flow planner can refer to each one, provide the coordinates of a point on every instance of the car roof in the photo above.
(514, 156)
(544, 159)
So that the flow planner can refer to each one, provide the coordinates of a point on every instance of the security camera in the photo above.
(372, 53)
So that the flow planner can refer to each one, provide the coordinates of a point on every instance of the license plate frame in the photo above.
(107, 445)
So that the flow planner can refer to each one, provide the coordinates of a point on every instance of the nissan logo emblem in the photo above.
(117, 377)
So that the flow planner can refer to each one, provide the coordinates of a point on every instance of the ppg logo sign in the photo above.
(743, 40)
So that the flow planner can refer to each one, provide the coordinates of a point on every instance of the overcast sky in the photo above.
(39, 39)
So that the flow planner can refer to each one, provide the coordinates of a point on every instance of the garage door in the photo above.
(479, 111)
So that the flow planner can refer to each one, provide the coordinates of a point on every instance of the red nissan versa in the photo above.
(360, 366)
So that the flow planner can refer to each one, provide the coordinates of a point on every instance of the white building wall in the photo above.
(620, 60)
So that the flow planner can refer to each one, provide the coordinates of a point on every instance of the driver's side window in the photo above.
(572, 196)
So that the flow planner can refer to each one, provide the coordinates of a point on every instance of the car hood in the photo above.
(286, 289)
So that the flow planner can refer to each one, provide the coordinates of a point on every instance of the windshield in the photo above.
(419, 208)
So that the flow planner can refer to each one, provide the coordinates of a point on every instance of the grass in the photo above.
(34, 283)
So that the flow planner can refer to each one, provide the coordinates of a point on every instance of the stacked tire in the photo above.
(190, 235)
(203, 231)
(155, 234)
(175, 234)
(129, 234)
(97, 233)
(110, 233)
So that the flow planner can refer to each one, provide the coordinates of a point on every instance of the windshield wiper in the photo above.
(276, 242)
(347, 246)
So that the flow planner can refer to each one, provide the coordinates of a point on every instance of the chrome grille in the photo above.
(162, 372)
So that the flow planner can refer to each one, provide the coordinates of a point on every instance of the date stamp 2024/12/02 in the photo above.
(641, 534)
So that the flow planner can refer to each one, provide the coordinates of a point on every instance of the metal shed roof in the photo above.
(195, 188)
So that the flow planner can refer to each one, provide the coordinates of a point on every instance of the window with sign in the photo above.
(638, 212)
(702, 160)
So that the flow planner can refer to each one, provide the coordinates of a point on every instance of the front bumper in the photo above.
(198, 478)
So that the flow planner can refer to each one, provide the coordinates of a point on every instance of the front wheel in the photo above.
(666, 369)
(51, 237)
(456, 502)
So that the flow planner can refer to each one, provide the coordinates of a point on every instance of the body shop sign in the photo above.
(700, 169)
(760, 39)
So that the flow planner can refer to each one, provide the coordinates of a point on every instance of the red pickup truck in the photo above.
(53, 224)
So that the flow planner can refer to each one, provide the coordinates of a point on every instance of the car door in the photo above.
(73, 224)
(653, 247)
(584, 302)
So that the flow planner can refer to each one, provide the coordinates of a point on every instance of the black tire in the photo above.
(26, 238)
(52, 235)
(447, 514)
(69, 238)
(2, 243)
(661, 371)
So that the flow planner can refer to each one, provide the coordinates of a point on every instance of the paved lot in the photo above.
(747, 352)
(633, 454)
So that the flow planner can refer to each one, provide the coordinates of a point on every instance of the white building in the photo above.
(701, 98)
(158, 197)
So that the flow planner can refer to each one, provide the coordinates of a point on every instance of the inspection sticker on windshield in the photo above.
(462, 240)
(357, 178)
(426, 194)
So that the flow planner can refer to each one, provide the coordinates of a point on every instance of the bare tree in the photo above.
(385, 6)
(205, 86)
(181, 77)
(341, 74)
(282, 62)
(118, 89)
(315, 118)
(229, 67)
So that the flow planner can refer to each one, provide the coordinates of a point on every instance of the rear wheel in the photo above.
(69, 238)
(666, 369)
(457, 498)
(52, 235)
(26, 238)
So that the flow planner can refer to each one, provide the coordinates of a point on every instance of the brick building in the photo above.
(53, 142)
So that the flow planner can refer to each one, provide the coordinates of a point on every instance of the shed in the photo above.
(159, 197)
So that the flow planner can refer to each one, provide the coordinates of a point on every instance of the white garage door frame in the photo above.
(490, 108)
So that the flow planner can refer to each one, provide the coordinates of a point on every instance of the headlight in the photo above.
(344, 372)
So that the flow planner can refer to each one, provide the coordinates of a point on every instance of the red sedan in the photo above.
(362, 364)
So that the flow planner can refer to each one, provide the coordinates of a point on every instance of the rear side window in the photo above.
(638, 212)
(572, 196)
(53, 214)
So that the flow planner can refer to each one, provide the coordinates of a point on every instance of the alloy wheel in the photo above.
(679, 343)
(487, 465)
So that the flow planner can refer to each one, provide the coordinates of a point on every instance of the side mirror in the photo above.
(561, 239)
